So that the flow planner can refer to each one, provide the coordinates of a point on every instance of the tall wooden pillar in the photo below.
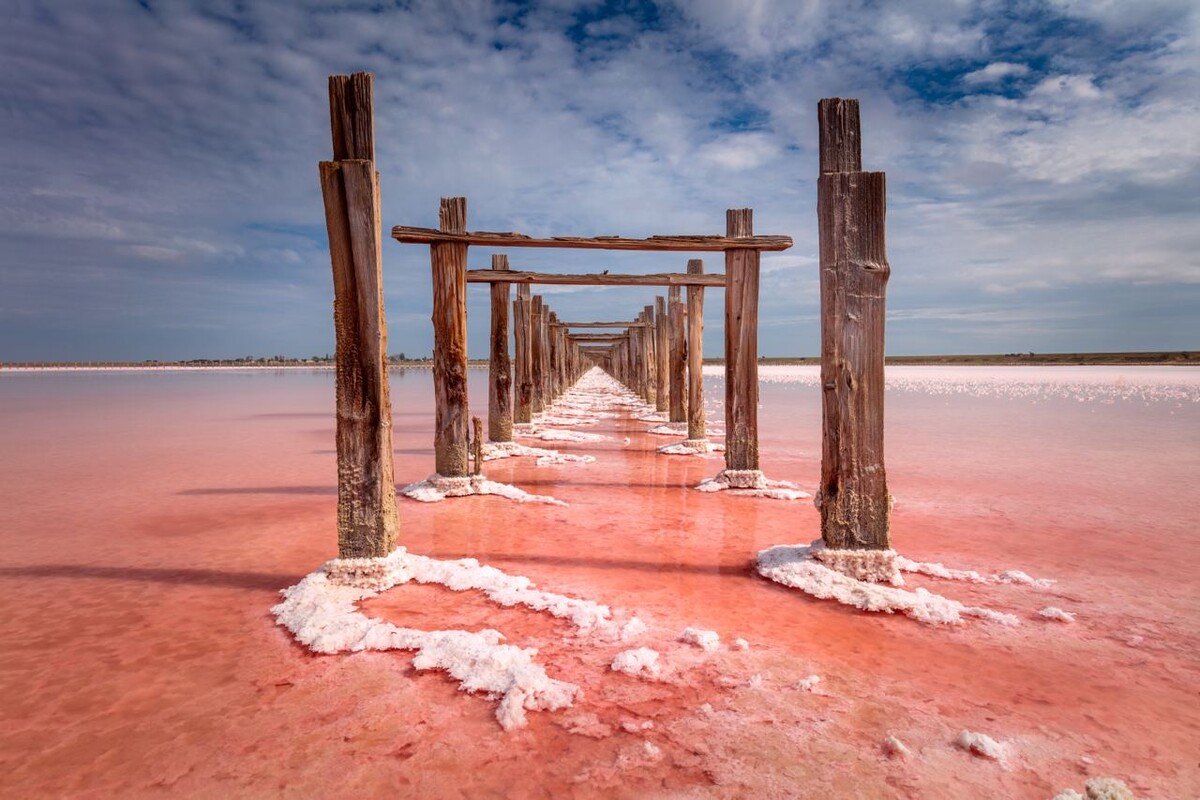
(552, 356)
(851, 206)
(648, 337)
(452, 418)
(678, 368)
(741, 345)
(697, 429)
(537, 351)
(663, 354)
(523, 350)
(500, 407)
(366, 509)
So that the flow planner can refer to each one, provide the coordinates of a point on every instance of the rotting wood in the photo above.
(366, 507)
(523, 349)
(597, 279)
(697, 429)
(662, 350)
(449, 259)
(406, 234)
(677, 315)
(500, 407)
(851, 211)
(741, 346)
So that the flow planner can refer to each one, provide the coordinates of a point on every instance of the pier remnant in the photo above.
(449, 261)
(500, 405)
(741, 353)
(677, 315)
(697, 436)
(851, 208)
(366, 509)
(523, 350)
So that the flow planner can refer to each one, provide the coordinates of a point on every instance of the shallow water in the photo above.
(149, 519)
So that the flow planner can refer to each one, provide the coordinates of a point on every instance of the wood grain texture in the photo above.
(452, 418)
(741, 346)
(366, 509)
(677, 314)
(631, 324)
(840, 138)
(853, 495)
(662, 354)
(646, 333)
(500, 407)
(697, 427)
(411, 235)
(351, 116)
(538, 350)
(597, 279)
(598, 337)
(523, 349)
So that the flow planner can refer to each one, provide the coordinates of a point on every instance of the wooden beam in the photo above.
(452, 418)
(598, 337)
(697, 244)
(499, 365)
(598, 279)
(741, 347)
(853, 496)
(697, 428)
(634, 324)
(677, 315)
(366, 505)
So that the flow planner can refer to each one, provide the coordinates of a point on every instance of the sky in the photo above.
(160, 197)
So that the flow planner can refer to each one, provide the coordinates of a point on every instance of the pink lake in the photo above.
(148, 521)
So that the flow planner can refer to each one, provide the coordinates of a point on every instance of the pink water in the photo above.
(147, 522)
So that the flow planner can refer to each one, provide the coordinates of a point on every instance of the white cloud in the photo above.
(995, 72)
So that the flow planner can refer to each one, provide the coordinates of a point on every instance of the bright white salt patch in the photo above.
(670, 429)
(633, 726)
(895, 748)
(632, 629)
(741, 644)
(793, 565)
(497, 450)
(437, 488)
(705, 640)
(1057, 614)
(642, 755)
(685, 448)
(323, 615)
(808, 684)
(751, 485)
(937, 570)
(640, 663)
(557, 435)
(980, 744)
(563, 458)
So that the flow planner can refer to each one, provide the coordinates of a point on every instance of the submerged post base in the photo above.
(744, 478)
(364, 573)
(872, 566)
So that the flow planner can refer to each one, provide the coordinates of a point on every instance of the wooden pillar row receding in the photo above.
(366, 508)
(851, 207)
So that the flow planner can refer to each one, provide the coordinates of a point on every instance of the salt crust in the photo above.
(1099, 789)
(981, 745)
(692, 447)
(936, 570)
(497, 450)
(640, 663)
(751, 483)
(558, 435)
(875, 566)
(795, 566)
(705, 640)
(1057, 614)
(808, 684)
(895, 748)
(321, 612)
(436, 488)
(670, 429)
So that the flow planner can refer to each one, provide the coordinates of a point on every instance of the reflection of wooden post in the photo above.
(499, 366)
(741, 346)
(537, 351)
(695, 355)
(662, 349)
(450, 342)
(522, 333)
(366, 509)
(678, 369)
(853, 497)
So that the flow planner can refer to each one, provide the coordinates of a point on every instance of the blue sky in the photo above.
(160, 194)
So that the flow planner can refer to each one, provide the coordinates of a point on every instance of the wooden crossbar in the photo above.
(597, 337)
(409, 235)
(601, 324)
(716, 280)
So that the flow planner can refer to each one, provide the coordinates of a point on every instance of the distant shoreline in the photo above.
(1148, 358)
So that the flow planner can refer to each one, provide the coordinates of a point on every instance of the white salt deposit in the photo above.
(981, 745)
(493, 451)
(705, 640)
(808, 684)
(895, 748)
(1057, 614)
(751, 483)
(690, 447)
(794, 565)
(323, 614)
(741, 644)
(937, 570)
(436, 488)
(632, 629)
(641, 755)
(670, 429)
(1099, 789)
(633, 726)
(640, 663)
(554, 459)
(559, 435)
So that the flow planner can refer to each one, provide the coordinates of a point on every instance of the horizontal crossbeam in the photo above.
(599, 324)
(716, 280)
(696, 244)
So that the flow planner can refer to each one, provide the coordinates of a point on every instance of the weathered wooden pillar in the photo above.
(678, 368)
(366, 509)
(648, 340)
(851, 205)
(537, 352)
(697, 430)
(741, 346)
(523, 349)
(452, 419)
(662, 350)
(500, 407)
(552, 356)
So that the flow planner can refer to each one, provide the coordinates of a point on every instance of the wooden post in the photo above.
(522, 334)
(366, 509)
(662, 349)
(499, 366)
(477, 446)
(678, 368)
(537, 351)
(648, 339)
(741, 346)
(697, 430)
(450, 343)
(851, 206)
